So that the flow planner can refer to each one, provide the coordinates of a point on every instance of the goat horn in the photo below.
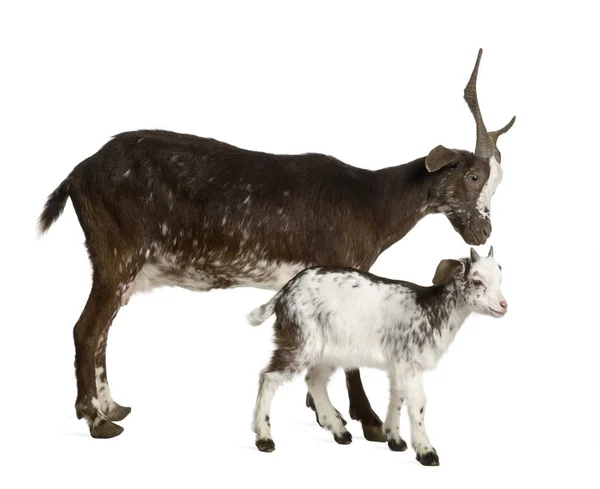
(491, 253)
(484, 147)
(494, 134)
(474, 255)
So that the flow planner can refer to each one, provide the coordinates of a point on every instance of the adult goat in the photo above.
(161, 208)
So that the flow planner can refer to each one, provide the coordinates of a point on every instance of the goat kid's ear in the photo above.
(439, 157)
(447, 270)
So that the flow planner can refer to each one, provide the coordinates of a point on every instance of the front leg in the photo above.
(416, 400)
(360, 408)
(391, 427)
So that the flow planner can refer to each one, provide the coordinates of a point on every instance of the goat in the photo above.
(328, 317)
(161, 208)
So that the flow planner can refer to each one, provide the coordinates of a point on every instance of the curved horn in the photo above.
(484, 147)
(495, 134)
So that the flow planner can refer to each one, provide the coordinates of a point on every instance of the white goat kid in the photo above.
(329, 317)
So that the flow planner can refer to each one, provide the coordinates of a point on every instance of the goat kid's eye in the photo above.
(477, 283)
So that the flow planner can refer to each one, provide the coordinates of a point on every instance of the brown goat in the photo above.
(160, 208)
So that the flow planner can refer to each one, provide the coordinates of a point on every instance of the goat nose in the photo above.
(503, 304)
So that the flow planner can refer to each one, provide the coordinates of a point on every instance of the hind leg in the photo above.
(113, 411)
(99, 311)
(281, 369)
(327, 416)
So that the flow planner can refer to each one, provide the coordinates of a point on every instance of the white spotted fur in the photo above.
(105, 399)
(346, 319)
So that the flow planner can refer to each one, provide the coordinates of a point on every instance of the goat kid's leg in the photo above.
(416, 400)
(99, 311)
(310, 403)
(271, 378)
(113, 411)
(391, 426)
(327, 416)
(360, 408)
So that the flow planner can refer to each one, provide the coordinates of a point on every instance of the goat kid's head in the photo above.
(469, 180)
(479, 279)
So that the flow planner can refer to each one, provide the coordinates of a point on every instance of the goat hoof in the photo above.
(105, 429)
(343, 439)
(265, 445)
(118, 413)
(374, 433)
(371, 424)
(429, 459)
(397, 446)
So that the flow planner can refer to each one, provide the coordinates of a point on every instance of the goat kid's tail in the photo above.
(54, 206)
(264, 312)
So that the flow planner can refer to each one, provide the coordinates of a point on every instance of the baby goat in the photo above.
(330, 317)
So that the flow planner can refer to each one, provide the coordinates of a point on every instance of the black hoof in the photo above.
(429, 459)
(397, 446)
(374, 433)
(118, 413)
(371, 424)
(265, 445)
(344, 439)
(105, 429)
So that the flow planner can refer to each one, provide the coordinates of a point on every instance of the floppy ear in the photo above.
(439, 157)
(447, 270)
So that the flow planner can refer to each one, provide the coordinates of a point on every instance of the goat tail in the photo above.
(54, 206)
(264, 312)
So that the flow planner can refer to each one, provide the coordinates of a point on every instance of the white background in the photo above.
(375, 84)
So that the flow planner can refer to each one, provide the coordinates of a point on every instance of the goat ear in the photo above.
(447, 270)
(439, 157)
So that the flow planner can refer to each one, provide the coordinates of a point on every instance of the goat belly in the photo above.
(354, 356)
(196, 274)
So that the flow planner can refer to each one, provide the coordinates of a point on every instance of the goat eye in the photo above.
(474, 178)
(477, 283)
